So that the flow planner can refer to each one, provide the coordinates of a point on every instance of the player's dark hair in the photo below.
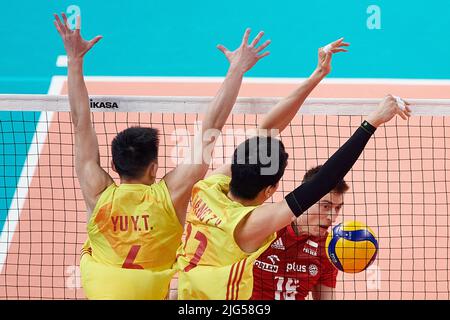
(258, 162)
(341, 186)
(133, 150)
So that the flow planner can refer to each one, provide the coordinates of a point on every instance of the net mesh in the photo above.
(399, 187)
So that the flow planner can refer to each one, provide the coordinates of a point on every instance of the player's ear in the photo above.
(113, 166)
(270, 190)
(153, 169)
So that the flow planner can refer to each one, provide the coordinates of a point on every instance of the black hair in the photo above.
(133, 150)
(341, 186)
(258, 162)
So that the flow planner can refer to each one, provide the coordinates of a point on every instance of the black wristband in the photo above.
(368, 127)
(293, 204)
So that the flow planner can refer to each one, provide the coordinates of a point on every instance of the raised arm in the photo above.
(270, 218)
(93, 179)
(241, 60)
(284, 111)
(282, 114)
(181, 180)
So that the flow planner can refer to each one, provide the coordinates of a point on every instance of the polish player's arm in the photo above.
(322, 292)
(181, 180)
(93, 179)
(267, 219)
(282, 114)
(284, 111)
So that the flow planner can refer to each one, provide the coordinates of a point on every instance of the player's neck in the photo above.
(294, 227)
(146, 181)
(244, 202)
(298, 232)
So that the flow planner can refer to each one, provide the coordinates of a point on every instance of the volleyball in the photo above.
(351, 246)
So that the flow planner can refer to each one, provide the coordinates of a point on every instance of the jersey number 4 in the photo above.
(129, 260)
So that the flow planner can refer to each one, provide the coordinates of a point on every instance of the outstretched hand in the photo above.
(76, 47)
(326, 53)
(388, 108)
(246, 56)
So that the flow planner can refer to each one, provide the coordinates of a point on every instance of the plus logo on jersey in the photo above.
(311, 248)
(295, 267)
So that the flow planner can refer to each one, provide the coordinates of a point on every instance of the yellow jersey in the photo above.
(133, 236)
(211, 264)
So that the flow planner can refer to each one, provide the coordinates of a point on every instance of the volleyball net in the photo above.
(399, 186)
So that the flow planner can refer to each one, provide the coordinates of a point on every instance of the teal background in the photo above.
(178, 38)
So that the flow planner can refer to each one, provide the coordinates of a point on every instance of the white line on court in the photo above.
(27, 174)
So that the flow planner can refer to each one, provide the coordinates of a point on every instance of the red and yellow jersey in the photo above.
(211, 264)
(291, 267)
(133, 226)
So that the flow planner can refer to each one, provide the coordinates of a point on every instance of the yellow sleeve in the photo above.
(219, 178)
(215, 181)
(161, 193)
(104, 199)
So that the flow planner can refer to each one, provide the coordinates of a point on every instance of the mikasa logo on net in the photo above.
(103, 104)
